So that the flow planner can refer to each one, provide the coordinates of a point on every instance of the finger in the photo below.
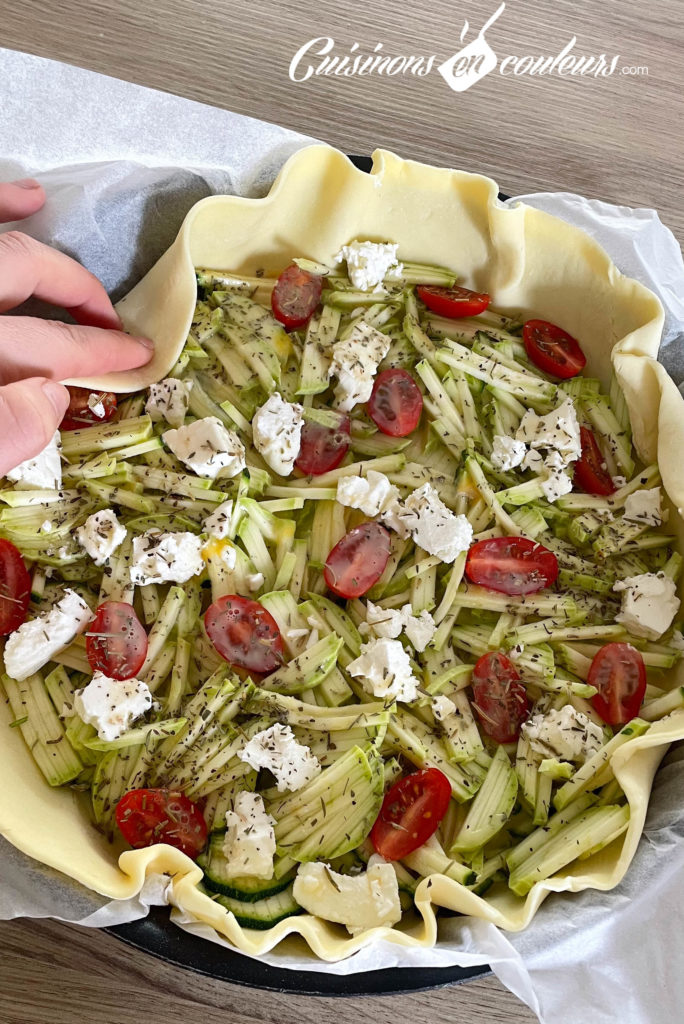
(30, 268)
(19, 199)
(30, 412)
(47, 348)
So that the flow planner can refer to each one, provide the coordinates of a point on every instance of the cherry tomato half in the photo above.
(619, 674)
(149, 816)
(87, 407)
(295, 297)
(511, 565)
(116, 641)
(591, 473)
(552, 349)
(358, 561)
(452, 302)
(244, 633)
(323, 448)
(499, 698)
(15, 588)
(411, 812)
(395, 403)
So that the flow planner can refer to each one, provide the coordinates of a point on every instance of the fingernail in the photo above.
(56, 393)
(147, 342)
(27, 183)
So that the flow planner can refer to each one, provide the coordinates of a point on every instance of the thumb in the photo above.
(30, 412)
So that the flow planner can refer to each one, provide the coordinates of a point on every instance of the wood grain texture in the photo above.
(616, 138)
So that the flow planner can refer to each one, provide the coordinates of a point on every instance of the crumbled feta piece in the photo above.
(96, 405)
(276, 748)
(168, 400)
(207, 447)
(249, 845)
(218, 523)
(392, 519)
(43, 470)
(355, 363)
(46, 526)
(644, 507)
(556, 484)
(558, 433)
(649, 604)
(369, 263)
(37, 640)
(516, 651)
(100, 535)
(442, 708)
(566, 734)
(390, 622)
(111, 705)
(507, 453)
(619, 481)
(165, 558)
(359, 902)
(277, 433)
(255, 581)
(677, 640)
(433, 526)
(385, 670)
(372, 493)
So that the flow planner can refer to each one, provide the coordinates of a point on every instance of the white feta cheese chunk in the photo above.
(249, 845)
(507, 453)
(277, 433)
(677, 640)
(372, 493)
(36, 641)
(556, 432)
(218, 523)
(359, 902)
(649, 604)
(566, 734)
(619, 481)
(391, 622)
(392, 518)
(419, 629)
(101, 535)
(369, 263)
(165, 558)
(556, 484)
(43, 470)
(168, 400)
(46, 526)
(644, 507)
(433, 526)
(96, 405)
(255, 581)
(442, 708)
(355, 363)
(111, 705)
(276, 748)
(206, 447)
(385, 670)
(387, 622)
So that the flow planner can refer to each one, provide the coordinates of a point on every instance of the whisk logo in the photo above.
(466, 68)
(474, 61)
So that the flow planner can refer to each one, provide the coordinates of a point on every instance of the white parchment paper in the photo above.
(122, 165)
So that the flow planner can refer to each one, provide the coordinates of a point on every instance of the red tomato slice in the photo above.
(295, 297)
(411, 812)
(552, 349)
(619, 674)
(511, 565)
(395, 403)
(245, 634)
(116, 641)
(323, 448)
(358, 561)
(499, 698)
(149, 816)
(452, 302)
(80, 414)
(591, 473)
(15, 588)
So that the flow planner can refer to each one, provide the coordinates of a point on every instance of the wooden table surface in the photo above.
(617, 138)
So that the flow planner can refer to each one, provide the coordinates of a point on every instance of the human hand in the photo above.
(36, 354)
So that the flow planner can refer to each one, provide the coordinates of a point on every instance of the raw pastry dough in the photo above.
(530, 262)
